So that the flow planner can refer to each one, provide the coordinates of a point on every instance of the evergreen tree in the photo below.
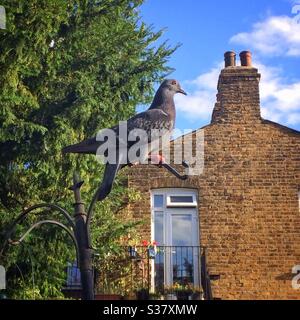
(68, 68)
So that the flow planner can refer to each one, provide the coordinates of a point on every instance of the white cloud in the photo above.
(280, 100)
(200, 102)
(277, 35)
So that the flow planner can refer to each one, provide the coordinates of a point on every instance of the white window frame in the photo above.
(168, 212)
(171, 204)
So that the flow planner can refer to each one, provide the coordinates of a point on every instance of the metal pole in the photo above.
(82, 237)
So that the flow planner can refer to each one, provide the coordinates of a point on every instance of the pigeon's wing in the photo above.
(151, 119)
(148, 120)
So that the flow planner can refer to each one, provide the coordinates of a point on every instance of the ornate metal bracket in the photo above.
(25, 213)
(56, 223)
(78, 228)
(175, 172)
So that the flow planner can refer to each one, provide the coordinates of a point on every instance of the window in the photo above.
(158, 200)
(183, 201)
(73, 276)
(175, 227)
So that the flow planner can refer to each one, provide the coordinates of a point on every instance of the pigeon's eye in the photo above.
(174, 83)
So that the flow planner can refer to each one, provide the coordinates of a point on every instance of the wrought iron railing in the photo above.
(176, 268)
(160, 270)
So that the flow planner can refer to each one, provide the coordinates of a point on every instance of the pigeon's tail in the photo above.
(109, 176)
(89, 146)
(74, 149)
(108, 180)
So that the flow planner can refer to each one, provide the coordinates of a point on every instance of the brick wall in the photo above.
(248, 194)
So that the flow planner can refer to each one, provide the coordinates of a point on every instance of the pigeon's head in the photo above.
(172, 86)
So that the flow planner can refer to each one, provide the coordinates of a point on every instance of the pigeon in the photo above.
(160, 116)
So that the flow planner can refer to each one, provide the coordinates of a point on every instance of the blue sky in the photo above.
(206, 29)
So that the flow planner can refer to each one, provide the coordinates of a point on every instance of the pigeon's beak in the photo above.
(182, 91)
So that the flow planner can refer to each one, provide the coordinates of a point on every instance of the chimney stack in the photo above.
(230, 59)
(238, 98)
(246, 59)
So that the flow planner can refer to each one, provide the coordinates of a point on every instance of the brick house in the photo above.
(244, 206)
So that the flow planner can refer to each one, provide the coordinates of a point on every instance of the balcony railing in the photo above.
(165, 270)
(176, 268)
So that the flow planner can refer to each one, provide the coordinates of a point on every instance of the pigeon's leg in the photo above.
(133, 164)
(157, 159)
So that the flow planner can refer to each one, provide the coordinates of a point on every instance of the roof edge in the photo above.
(263, 121)
(280, 126)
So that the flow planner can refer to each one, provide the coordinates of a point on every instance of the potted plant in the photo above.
(158, 294)
(169, 293)
(151, 248)
(182, 291)
(197, 294)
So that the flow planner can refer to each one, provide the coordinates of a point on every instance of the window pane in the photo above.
(182, 230)
(159, 227)
(178, 199)
(182, 252)
(159, 258)
(158, 201)
(73, 275)
(183, 265)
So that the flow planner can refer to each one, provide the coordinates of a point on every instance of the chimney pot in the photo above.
(246, 59)
(230, 59)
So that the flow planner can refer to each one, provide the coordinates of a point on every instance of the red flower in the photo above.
(145, 243)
